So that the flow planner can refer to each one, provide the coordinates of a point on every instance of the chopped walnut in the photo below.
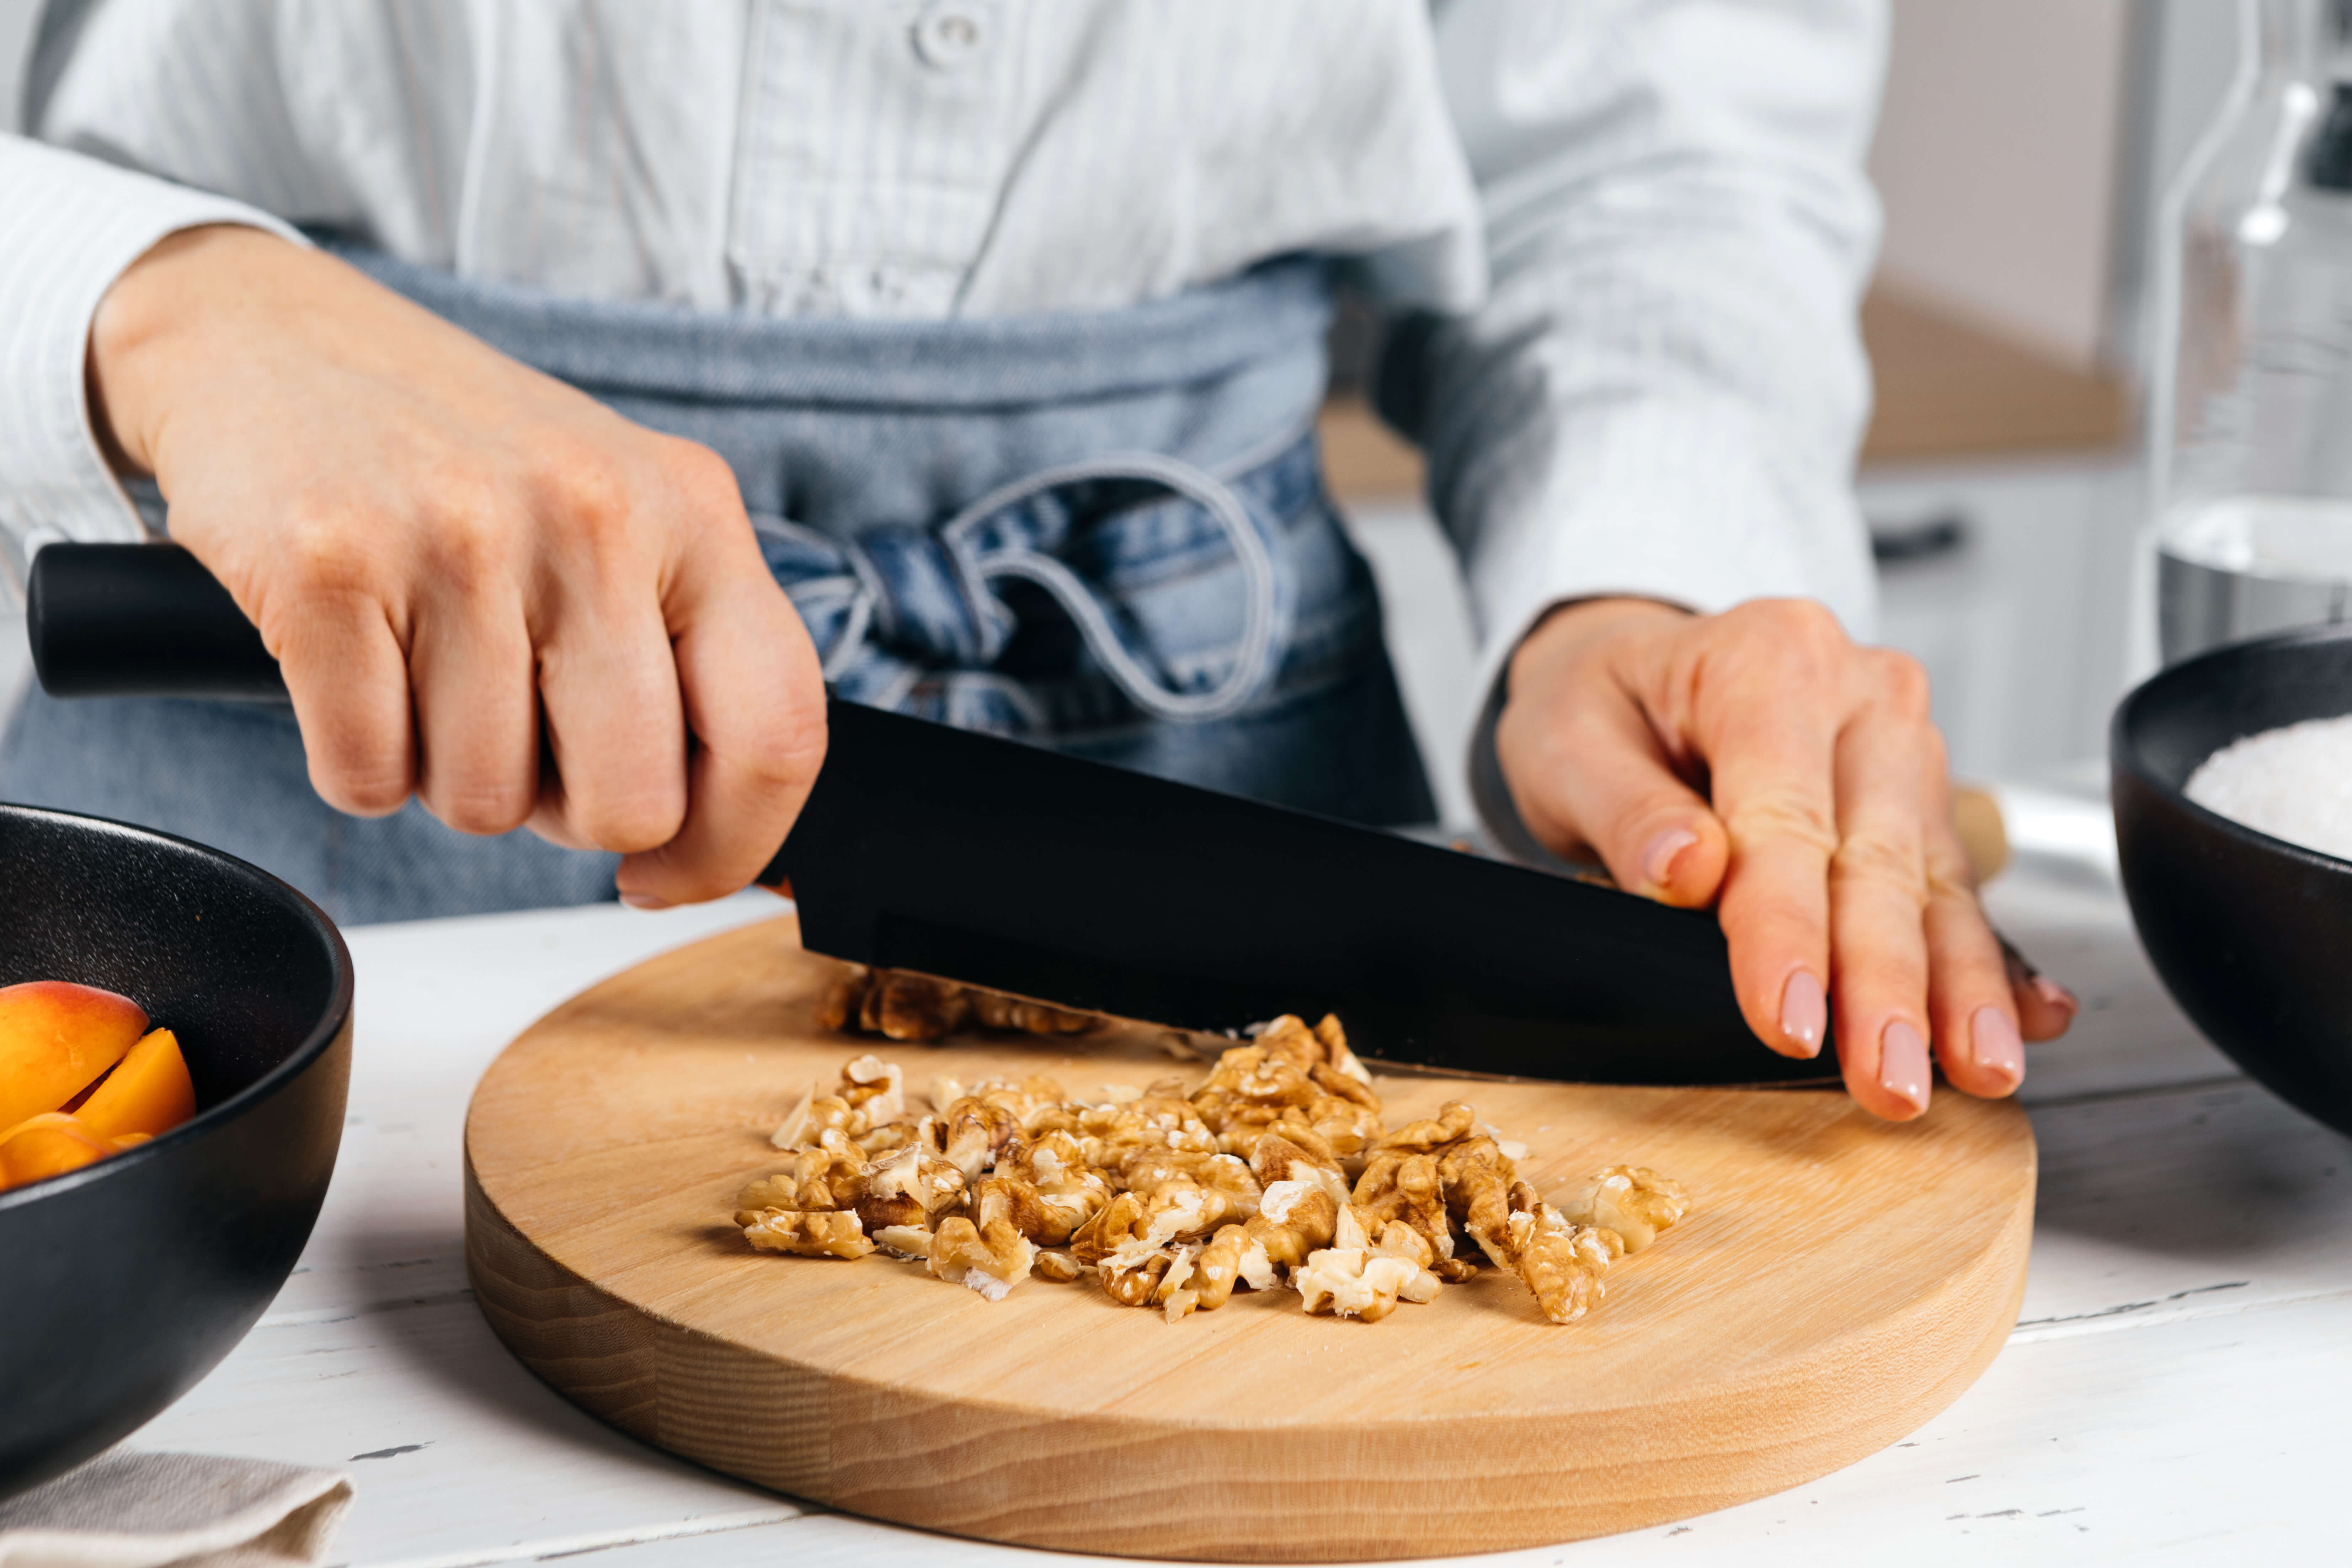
(1357, 1277)
(1175, 1294)
(910, 1187)
(825, 1233)
(903, 1241)
(818, 1178)
(990, 1258)
(1259, 1089)
(996, 1010)
(1453, 1123)
(1274, 1169)
(1278, 1158)
(905, 1006)
(1132, 1278)
(1476, 1174)
(1293, 1220)
(870, 1096)
(1637, 1204)
(1561, 1262)
(978, 1130)
(1399, 1185)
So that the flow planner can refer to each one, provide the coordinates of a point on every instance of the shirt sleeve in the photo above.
(69, 224)
(1663, 389)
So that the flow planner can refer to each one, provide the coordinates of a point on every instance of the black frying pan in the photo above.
(124, 1282)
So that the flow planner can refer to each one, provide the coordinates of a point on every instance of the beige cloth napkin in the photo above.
(191, 1511)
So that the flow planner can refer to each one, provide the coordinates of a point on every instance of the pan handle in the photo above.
(141, 620)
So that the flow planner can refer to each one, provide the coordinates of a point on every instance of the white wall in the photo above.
(1996, 155)
(16, 20)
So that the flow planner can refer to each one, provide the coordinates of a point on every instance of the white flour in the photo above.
(2294, 783)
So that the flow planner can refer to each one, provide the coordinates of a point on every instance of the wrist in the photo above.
(1567, 628)
(169, 293)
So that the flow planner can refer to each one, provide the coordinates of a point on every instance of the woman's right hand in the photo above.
(484, 587)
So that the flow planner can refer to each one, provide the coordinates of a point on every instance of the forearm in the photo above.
(70, 226)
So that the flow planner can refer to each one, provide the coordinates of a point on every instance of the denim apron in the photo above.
(1105, 533)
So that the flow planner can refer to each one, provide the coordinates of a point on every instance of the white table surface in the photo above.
(2177, 1388)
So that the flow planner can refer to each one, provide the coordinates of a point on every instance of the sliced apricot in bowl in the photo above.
(149, 1092)
(50, 1144)
(55, 1038)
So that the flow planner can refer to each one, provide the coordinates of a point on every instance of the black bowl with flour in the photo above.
(2252, 935)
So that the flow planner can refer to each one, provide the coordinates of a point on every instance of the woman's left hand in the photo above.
(1759, 762)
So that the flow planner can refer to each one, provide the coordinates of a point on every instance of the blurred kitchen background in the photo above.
(2020, 154)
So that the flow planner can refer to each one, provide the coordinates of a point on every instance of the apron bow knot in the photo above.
(897, 606)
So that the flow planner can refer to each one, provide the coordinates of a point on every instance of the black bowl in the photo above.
(2251, 936)
(125, 1281)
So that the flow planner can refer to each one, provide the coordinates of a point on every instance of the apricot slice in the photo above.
(149, 1090)
(55, 1037)
(45, 1145)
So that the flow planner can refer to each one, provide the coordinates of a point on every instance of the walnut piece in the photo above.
(1561, 1262)
(990, 1258)
(824, 1233)
(1358, 1276)
(1273, 1170)
(1637, 1203)
(904, 1005)
(909, 1187)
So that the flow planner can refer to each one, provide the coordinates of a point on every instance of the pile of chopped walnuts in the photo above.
(1275, 1172)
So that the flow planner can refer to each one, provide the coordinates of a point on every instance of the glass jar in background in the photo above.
(2251, 439)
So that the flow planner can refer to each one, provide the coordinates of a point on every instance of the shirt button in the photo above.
(948, 37)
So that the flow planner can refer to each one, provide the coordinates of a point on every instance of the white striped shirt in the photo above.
(1638, 226)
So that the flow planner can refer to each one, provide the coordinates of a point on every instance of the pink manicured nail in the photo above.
(643, 901)
(1903, 1064)
(1992, 1037)
(2057, 996)
(1804, 1011)
(1658, 860)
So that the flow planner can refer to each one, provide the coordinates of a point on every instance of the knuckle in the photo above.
(1782, 814)
(468, 546)
(363, 784)
(635, 820)
(1900, 683)
(785, 754)
(701, 473)
(319, 557)
(593, 497)
(1871, 859)
(484, 808)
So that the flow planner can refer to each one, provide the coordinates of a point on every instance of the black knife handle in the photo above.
(148, 620)
(141, 620)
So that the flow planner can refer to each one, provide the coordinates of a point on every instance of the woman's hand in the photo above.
(484, 587)
(1759, 760)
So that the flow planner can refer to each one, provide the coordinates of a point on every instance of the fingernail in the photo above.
(643, 901)
(1992, 1036)
(2057, 996)
(1903, 1064)
(1658, 860)
(1804, 1011)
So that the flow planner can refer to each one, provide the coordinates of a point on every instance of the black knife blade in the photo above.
(1013, 867)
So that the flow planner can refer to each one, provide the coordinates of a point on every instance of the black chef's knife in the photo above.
(1016, 867)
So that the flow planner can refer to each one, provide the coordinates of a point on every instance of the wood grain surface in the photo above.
(1839, 1281)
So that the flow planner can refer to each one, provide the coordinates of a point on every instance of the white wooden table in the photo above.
(2176, 1390)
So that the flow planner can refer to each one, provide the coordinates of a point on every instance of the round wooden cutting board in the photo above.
(1839, 1282)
